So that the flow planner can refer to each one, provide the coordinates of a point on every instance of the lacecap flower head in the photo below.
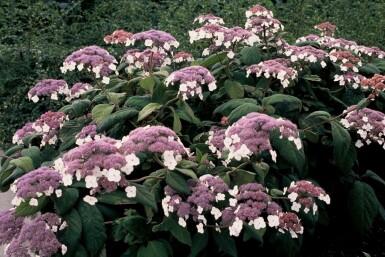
(158, 41)
(49, 125)
(48, 87)
(119, 37)
(209, 18)
(146, 60)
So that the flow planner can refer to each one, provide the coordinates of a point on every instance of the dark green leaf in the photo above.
(250, 55)
(115, 118)
(81, 251)
(148, 109)
(241, 177)
(369, 68)
(243, 110)
(34, 153)
(213, 59)
(66, 201)
(314, 78)
(138, 101)
(363, 206)
(282, 244)
(344, 153)
(67, 143)
(155, 248)
(362, 104)
(179, 232)
(373, 176)
(226, 108)
(71, 235)
(10, 152)
(226, 243)
(79, 107)
(177, 125)
(280, 98)
(93, 229)
(144, 196)
(115, 198)
(251, 232)
(25, 209)
(137, 226)
(199, 242)
(234, 89)
(187, 172)
(101, 111)
(177, 182)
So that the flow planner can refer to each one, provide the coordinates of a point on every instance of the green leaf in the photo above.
(241, 177)
(81, 251)
(93, 229)
(226, 108)
(115, 98)
(10, 152)
(155, 248)
(185, 164)
(186, 109)
(213, 59)
(66, 201)
(369, 68)
(25, 163)
(101, 111)
(199, 242)
(250, 55)
(179, 232)
(137, 226)
(187, 172)
(177, 125)
(280, 98)
(148, 109)
(319, 115)
(363, 206)
(243, 110)
(225, 242)
(144, 196)
(177, 182)
(34, 153)
(138, 101)
(115, 198)
(344, 153)
(288, 151)
(251, 232)
(373, 176)
(9, 175)
(314, 78)
(282, 244)
(362, 104)
(262, 169)
(79, 107)
(71, 235)
(234, 89)
(67, 143)
(25, 209)
(147, 83)
(115, 118)
(308, 43)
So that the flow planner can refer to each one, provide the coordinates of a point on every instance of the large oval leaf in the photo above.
(71, 235)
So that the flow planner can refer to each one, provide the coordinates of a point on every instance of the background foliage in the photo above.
(37, 35)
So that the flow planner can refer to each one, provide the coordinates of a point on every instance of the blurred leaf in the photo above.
(369, 69)
(148, 109)
(93, 229)
(101, 111)
(34, 153)
(363, 206)
(251, 232)
(138, 101)
(234, 89)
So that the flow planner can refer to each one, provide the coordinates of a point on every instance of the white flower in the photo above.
(273, 155)
(199, 209)
(358, 144)
(219, 197)
(169, 159)
(90, 200)
(35, 98)
(67, 179)
(325, 198)
(131, 191)
(292, 196)
(63, 225)
(259, 223)
(182, 222)
(165, 205)
(296, 206)
(63, 249)
(216, 212)
(200, 228)
(16, 201)
(113, 175)
(106, 80)
(273, 220)
(33, 202)
(91, 181)
(236, 228)
(234, 191)
(230, 55)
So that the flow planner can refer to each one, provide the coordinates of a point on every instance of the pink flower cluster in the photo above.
(191, 79)
(42, 181)
(376, 83)
(340, 43)
(87, 134)
(279, 68)
(261, 22)
(306, 54)
(37, 237)
(146, 60)
(49, 125)
(250, 135)
(158, 41)
(345, 59)
(370, 125)
(209, 18)
(258, 11)
(310, 37)
(48, 87)
(94, 59)
(301, 194)
(183, 57)
(99, 163)
(350, 78)
(370, 51)
(77, 90)
(326, 28)
(119, 37)
(156, 140)
(26, 130)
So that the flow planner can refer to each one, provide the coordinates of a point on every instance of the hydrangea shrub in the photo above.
(169, 154)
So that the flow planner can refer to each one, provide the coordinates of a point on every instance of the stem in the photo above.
(156, 158)
(238, 168)
(99, 84)
(6, 157)
(163, 107)
(144, 178)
